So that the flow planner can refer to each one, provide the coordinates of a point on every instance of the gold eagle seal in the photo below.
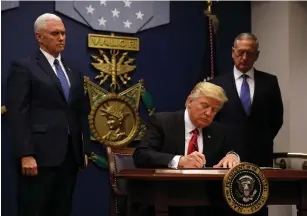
(114, 120)
(245, 188)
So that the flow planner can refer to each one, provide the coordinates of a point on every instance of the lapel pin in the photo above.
(209, 137)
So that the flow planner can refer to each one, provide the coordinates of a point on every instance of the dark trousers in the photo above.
(50, 192)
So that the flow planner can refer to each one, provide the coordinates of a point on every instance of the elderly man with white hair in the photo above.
(47, 112)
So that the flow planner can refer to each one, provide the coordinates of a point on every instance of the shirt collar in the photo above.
(189, 126)
(49, 57)
(238, 73)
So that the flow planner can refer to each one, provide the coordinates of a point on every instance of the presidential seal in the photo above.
(245, 188)
(114, 120)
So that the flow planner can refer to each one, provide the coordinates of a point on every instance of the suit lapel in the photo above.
(179, 132)
(44, 64)
(206, 140)
(256, 90)
(70, 77)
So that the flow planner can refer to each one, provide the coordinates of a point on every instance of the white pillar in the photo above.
(282, 32)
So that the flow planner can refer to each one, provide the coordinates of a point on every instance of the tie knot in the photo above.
(56, 62)
(245, 76)
(195, 132)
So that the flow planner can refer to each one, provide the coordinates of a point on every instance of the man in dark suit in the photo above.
(254, 112)
(47, 111)
(187, 138)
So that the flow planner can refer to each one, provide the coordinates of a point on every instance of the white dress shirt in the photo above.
(250, 80)
(51, 59)
(189, 127)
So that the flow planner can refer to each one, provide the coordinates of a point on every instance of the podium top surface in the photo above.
(205, 174)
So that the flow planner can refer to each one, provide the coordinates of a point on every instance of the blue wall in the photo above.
(169, 63)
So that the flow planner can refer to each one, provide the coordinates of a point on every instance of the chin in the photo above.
(203, 125)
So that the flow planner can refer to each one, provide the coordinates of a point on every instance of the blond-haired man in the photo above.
(188, 138)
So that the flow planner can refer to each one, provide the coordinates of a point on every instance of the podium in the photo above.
(203, 187)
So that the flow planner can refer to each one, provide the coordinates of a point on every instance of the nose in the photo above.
(61, 37)
(244, 56)
(209, 111)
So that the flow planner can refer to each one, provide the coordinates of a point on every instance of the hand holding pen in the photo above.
(196, 149)
(193, 160)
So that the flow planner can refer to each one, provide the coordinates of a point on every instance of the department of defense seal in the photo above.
(245, 188)
(114, 120)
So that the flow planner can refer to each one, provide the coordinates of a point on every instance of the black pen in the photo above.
(196, 148)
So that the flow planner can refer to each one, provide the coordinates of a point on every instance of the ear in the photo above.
(38, 37)
(233, 52)
(189, 101)
(257, 55)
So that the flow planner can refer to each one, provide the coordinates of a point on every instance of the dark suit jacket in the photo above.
(252, 136)
(165, 138)
(40, 116)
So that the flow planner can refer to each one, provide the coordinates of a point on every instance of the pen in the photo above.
(196, 148)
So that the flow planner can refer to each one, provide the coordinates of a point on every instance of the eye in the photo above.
(204, 106)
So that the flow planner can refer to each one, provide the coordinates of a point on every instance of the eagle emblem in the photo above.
(246, 187)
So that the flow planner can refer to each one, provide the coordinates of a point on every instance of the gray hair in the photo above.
(208, 89)
(41, 21)
(246, 36)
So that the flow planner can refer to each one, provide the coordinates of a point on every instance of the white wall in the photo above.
(281, 28)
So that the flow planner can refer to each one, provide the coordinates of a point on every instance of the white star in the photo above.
(102, 21)
(127, 24)
(90, 9)
(139, 15)
(127, 3)
(103, 2)
(115, 12)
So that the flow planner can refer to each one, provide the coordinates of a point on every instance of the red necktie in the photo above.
(193, 145)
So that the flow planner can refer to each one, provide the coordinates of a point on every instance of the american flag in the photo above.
(117, 16)
(6, 5)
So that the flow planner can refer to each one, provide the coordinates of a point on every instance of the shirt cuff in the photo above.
(232, 152)
(174, 162)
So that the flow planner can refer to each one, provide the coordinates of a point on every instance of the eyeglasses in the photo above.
(241, 53)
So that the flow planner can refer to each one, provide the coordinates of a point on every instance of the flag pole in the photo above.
(213, 24)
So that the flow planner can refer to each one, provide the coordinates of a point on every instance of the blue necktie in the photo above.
(245, 95)
(62, 78)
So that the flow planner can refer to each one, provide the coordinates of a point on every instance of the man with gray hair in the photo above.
(254, 113)
(47, 112)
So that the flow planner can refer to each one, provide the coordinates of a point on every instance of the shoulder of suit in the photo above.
(218, 127)
(24, 62)
(265, 74)
(221, 78)
(167, 115)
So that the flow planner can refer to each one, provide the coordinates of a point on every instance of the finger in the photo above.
(230, 164)
(201, 155)
(198, 157)
(225, 163)
(27, 171)
(197, 165)
(220, 163)
(34, 171)
(23, 170)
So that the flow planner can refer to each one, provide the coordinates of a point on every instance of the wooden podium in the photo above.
(202, 187)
